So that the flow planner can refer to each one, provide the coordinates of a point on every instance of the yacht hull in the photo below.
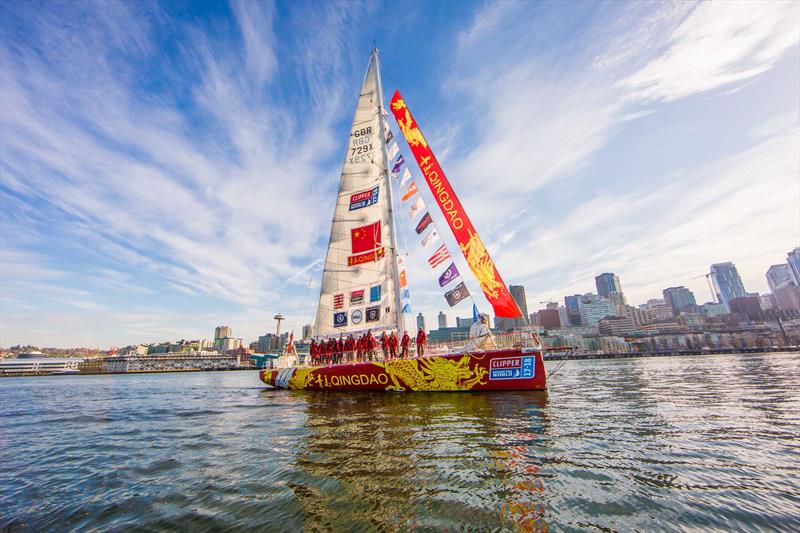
(511, 369)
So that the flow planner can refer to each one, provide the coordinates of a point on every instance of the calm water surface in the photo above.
(682, 443)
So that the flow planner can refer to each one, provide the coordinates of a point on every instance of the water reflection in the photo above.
(396, 462)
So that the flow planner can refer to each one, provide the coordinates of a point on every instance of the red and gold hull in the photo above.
(513, 369)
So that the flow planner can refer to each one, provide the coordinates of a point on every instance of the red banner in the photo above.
(471, 245)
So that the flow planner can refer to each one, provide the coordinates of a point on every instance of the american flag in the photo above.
(439, 256)
(338, 301)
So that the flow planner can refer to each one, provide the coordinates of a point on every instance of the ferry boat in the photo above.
(364, 281)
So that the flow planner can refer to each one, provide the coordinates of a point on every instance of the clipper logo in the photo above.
(512, 368)
(364, 199)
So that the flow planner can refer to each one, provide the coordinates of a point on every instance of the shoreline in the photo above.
(670, 353)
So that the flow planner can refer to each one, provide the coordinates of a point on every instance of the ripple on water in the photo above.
(685, 443)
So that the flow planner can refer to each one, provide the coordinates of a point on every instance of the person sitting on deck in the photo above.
(421, 338)
(393, 343)
(480, 335)
(404, 344)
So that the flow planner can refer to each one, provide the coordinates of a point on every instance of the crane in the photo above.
(710, 286)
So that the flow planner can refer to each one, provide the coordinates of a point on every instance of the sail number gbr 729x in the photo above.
(361, 146)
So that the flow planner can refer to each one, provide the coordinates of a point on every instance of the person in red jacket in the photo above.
(349, 348)
(331, 351)
(405, 342)
(421, 338)
(393, 344)
(359, 347)
(339, 350)
(371, 345)
(385, 346)
(312, 351)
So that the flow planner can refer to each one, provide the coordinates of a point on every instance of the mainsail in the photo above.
(359, 287)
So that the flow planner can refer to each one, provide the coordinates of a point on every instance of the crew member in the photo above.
(393, 343)
(385, 346)
(481, 337)
(421, 338)
(404, 344)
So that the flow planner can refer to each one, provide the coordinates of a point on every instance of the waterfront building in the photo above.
(593, 307)
(272, 343)
(306, 332)
(777, 275)
(31, 363)
(749, 306)
(608, 286)
(563, 319)
(463, 322)
(726, 282)
(787, 297)
(573, 310)
(710, 309)
(442, 318)
(679, 299)
(548, 318)
(448, 334)
(220, 332)
(615, 325)
(767, 302)
(420, 322)
(793, 260)
(171, 362)
(504, 324)
(658, 309)
(518, 293)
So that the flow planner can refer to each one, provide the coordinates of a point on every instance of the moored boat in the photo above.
(364, 285)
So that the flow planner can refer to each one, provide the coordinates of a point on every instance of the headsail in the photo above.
(359, 283)
(475, 252)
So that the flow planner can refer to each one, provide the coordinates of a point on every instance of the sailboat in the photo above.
(364, 279)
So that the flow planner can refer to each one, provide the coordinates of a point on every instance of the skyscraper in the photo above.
(793, 258)
(573, 310)
(518, 293)
(777, 275)
(421, 322)
(220, 332)
(679, 299)
(608, 286)
(442, 320)
(726, 282)
(593, 307)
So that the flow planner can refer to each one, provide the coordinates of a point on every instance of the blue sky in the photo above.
(166, 168)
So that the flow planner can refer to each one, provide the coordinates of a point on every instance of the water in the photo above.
(682, 443)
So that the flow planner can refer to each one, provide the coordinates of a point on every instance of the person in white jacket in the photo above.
(480, 335)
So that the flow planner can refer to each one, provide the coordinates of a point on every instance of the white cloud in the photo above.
(718, 44)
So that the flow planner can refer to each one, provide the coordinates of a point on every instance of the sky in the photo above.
(169, 167)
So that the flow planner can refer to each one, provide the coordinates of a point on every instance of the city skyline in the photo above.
(146, 193)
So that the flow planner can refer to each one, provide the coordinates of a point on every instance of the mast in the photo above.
(398, 307)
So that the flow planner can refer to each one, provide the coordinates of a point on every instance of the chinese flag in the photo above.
(366, 238)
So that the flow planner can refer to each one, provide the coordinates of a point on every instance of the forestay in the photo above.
(359, 280)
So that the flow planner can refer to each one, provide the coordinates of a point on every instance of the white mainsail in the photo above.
(359, 289)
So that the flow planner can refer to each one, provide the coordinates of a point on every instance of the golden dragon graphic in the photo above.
(433, 374)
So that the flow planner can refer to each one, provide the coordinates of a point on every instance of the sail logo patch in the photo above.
(364, 199)
(367, 257)
(340, 319)
(357, 297)
(338, 301)
(375, 293)
(512, 368)
(373, 314)
(357, 316)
